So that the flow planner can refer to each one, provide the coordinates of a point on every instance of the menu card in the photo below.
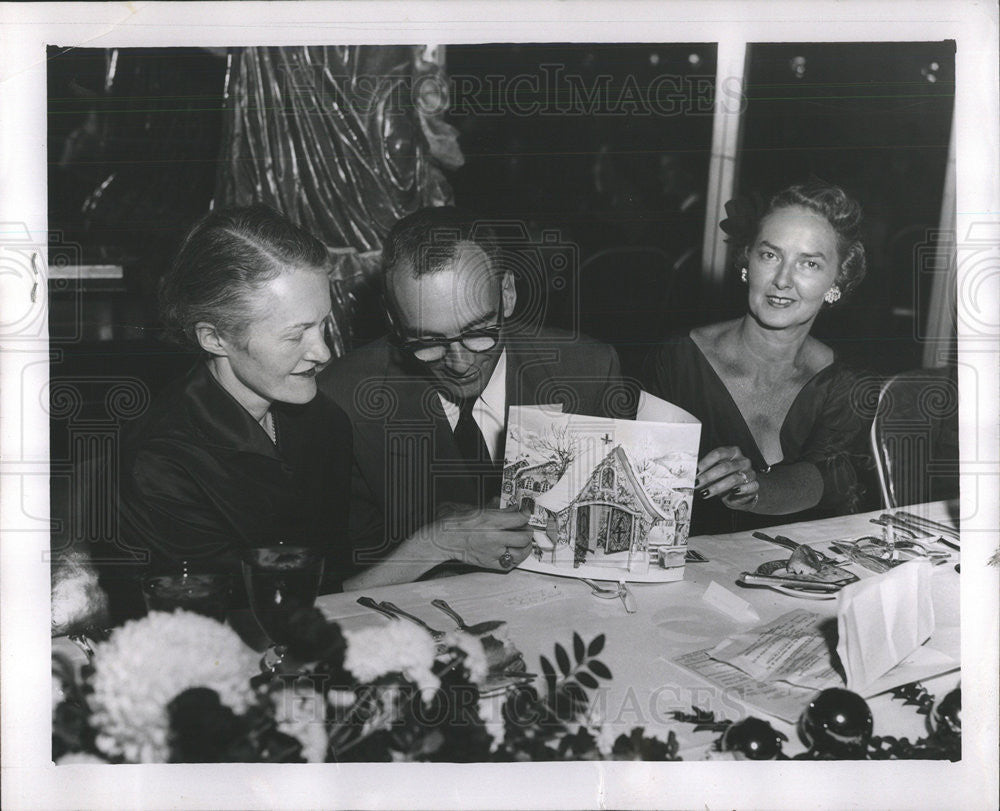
(876, 642)
(791, 648)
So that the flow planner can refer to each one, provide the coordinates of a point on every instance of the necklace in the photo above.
(267, 422)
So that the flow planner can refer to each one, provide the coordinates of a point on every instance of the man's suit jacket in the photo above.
(406, 463)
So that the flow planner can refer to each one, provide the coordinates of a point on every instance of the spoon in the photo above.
(395, 609)
(620, 591)
(368, 602)
(604, 592)
(478, 629)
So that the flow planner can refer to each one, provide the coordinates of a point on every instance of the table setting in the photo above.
(831, 639)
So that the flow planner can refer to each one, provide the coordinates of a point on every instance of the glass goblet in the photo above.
(203, 592)
(280, 580)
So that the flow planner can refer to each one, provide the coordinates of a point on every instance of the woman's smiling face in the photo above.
(791, 265)
(278, 355)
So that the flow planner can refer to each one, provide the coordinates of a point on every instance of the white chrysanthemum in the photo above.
(80, 758)
(491, 713)
(301, 713)
(606, 737)
(398, 647)
(77, 598)
(340, 699)
(147, 663)
(475, 656)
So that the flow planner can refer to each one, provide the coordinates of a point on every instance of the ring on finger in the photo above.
(506, 560)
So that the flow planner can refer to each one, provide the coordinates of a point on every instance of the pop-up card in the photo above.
(609, 499)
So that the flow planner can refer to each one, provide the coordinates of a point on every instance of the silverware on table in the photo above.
(368, 602)
(395, 609)
(607, 592)
(755, 579)
(884, 521)
(478, 629)
(788, 543)
(936, 526)
(917, 549)
(916, 526)
(628, 598)
(616, 592)
(870, 562)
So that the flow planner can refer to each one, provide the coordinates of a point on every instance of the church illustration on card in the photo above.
(601, 493)
(610, 514)
(601, 513)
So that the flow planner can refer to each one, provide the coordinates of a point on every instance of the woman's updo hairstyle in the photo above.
(224, 260)
(830, 202)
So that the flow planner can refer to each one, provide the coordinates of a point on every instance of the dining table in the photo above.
(673, 619)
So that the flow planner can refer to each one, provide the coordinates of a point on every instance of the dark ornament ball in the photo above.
(754, 738)
(947, 715)
(837, 723)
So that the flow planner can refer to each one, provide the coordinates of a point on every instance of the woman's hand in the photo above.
(726, 472)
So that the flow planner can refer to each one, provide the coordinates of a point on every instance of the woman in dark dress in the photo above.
(778, 427)
(241, 452)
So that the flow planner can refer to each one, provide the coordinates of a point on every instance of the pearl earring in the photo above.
(832, 295)
(743, 275)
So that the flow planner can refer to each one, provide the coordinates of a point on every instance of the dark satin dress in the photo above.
(201, 481)
(821, 427)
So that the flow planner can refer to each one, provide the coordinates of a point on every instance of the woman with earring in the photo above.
(778, 426)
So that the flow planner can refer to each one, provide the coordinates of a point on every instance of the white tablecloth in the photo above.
(672, 619)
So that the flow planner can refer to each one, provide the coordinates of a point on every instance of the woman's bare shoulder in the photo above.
(816, 355)
(712, 336)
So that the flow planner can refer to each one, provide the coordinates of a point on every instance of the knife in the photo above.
(801, 585)
(920, 521)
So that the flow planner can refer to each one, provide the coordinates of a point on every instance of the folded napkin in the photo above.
(882, 620)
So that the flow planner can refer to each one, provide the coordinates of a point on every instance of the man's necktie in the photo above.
(473, 449)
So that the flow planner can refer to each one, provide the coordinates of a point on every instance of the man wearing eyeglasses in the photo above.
(428, 403)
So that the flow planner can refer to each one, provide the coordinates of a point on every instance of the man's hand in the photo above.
(491, 538)
(481, 537)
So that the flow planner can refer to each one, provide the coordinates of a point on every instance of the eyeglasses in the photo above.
(430, 350)
(478, 341)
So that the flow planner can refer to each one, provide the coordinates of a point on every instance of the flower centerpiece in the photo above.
(183, 688)
(180, 687)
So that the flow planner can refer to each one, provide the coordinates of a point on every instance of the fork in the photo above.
(478, 629)
(395, 609)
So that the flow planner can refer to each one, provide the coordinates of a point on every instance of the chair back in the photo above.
(914, 437)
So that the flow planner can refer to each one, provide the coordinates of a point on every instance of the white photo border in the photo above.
(29, 778)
